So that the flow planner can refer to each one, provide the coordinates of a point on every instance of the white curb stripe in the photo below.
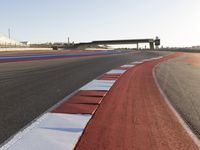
(54, 131)
(137, 62)
(99, 85)
(116, 71)
(155, 58)
(145, 60)
(127, 66)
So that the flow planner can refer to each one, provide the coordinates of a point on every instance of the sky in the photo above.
(175, 22)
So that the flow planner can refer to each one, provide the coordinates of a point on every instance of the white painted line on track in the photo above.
(52, 131)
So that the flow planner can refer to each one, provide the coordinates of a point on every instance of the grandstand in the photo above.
(6, 42)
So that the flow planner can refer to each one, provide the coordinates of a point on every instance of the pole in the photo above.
(9, 33)
(68, 41)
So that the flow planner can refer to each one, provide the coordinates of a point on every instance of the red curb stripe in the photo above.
(92, 93)
(123, 68)
(70, 108)
(109, 77)
(84, 100)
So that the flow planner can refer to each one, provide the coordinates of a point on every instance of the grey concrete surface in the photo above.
(27, 89)
(180, 81)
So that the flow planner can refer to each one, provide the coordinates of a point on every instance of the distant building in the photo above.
(196, 47)
(26, 42)
(7, 42)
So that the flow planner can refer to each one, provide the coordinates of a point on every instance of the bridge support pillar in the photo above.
(137, 46)
(151, 45)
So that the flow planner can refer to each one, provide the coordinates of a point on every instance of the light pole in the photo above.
(9, 33)
(68, 41)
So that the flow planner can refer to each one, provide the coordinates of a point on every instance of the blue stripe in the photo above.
(46, 56)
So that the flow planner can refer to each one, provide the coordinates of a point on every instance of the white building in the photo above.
(4, 41)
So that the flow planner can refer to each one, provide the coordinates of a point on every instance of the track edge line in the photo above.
(180, 119)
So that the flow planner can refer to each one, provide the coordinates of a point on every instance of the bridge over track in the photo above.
(151, 42)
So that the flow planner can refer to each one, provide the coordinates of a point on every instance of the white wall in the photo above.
(6, 41)
(24, 49)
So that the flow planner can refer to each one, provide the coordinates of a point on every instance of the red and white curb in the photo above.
(100, 85)
(61, 127)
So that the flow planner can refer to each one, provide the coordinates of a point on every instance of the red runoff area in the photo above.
(134, 116)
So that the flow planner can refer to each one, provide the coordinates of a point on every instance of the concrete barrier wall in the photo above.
(24, 49)
(99, 49)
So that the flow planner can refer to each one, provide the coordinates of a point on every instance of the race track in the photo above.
(29, 88)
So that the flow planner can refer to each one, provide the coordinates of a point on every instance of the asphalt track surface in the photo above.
(29, 88)
(136, 118)
(29, 56)
(180, 81)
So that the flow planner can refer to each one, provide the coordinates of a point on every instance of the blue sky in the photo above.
(176, 22)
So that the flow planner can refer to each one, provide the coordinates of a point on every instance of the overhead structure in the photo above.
(125, 41)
